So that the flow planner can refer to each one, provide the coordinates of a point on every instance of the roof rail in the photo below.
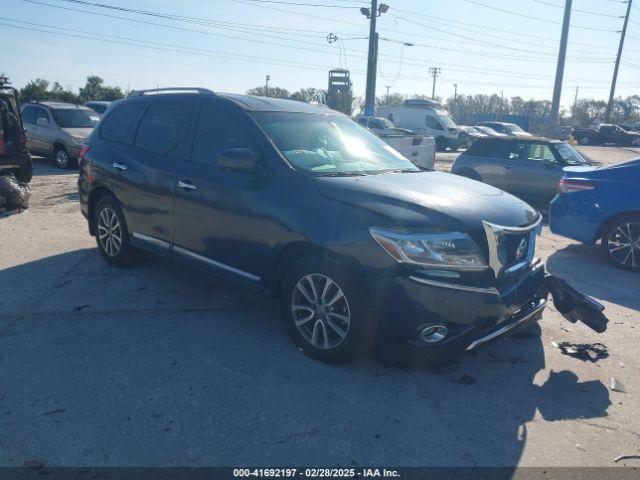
(153, 91)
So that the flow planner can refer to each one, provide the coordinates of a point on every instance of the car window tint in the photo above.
(42, 113)
(432, 123)
(29, 115)
(217, 130)
(162, 128)
(514, 151)
(120, 125)
(484, 148)
(540, 152)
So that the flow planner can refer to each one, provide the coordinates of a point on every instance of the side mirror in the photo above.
(42, 122)
(238, 160)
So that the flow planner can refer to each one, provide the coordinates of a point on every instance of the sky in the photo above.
(484, 46)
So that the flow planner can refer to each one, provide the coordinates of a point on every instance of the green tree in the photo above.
(37, 89)
(95, 89)
(309, 95)
(273, 92)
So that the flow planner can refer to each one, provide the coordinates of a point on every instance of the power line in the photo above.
(304, 4)
(530, 17)
(588, 12)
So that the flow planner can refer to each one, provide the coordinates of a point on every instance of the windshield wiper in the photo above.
(401, 170)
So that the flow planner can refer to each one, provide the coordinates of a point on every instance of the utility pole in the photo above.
(557, 88)
(387, 87)
(575, 103)
(435, 72)
(607, 114)
(455, 92)
(372, 64)
(266, 85)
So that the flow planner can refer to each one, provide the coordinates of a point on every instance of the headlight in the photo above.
(447, 249)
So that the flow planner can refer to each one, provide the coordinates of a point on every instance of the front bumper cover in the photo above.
(475, 316)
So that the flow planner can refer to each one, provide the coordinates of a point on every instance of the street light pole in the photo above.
(387, 87)
(557, 88)
(266, 85)
(607, 114)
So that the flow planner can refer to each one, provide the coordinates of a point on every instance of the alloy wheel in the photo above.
(320, 311)
(62, 158)
(109, 232)
(623, 244)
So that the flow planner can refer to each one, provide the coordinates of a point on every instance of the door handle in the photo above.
(119, 166)
(186, 185)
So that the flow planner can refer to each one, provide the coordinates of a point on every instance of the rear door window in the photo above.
(216, 131)
(514, 151)
(162, 129)
(121, 123)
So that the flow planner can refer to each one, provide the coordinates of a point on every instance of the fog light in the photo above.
(433, 333)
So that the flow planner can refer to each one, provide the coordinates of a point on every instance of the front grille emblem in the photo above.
(510, 248)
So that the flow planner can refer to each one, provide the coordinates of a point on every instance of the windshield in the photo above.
(512, 127)
(569, 154)
(487, 130)
(446, 121)
(330, 144)
(75, 118)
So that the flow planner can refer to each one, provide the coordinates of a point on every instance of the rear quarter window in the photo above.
(484, 148)
(121, 123)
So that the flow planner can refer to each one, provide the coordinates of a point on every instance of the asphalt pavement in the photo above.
(162, 365)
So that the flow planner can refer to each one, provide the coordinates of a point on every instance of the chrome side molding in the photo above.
(194, 256)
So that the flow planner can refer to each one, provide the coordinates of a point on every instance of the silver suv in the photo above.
(58, 129)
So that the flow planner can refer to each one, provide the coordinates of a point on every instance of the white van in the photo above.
(427, 117)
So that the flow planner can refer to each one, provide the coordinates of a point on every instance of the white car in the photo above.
(419, 149)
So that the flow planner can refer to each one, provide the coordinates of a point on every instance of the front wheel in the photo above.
(441, 144)
(324, 310)
(621, 243)
(584, 141)
(62, 158)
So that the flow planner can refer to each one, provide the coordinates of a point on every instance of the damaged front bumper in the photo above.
(473, 316)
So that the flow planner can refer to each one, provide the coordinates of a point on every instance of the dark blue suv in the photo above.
(357, 241)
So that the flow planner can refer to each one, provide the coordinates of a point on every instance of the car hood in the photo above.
(78, 132)
(430, 200)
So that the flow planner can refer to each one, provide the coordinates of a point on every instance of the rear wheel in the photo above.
(324, 310)
(621, 242)
(441, 144)
(112, 234)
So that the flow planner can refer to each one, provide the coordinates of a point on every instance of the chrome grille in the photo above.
(510, 248)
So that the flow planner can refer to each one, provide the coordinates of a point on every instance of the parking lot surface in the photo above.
(162, 365)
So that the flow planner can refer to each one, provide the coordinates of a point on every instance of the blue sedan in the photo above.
(601, 204)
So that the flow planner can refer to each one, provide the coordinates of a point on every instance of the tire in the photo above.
(112, 236)
(635, 142)
(62, 158)
(24, 174)
(622, 231)
(584, 140)
(339, 326)
(441, 144)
